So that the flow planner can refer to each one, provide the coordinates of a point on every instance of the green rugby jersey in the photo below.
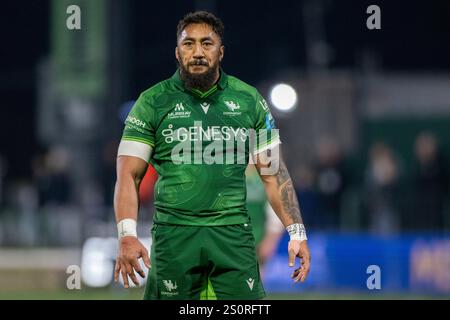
(201, 147)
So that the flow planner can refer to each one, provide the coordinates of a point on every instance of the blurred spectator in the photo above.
(108, 176)
(51, 171)
(330, 182)
(430, 183)
(3, 169)
(25, 203)
(304, 183)
(381, 190)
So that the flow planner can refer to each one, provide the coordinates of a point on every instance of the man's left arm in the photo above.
(282, 197)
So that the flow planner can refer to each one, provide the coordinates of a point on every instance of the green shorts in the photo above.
(206, 263)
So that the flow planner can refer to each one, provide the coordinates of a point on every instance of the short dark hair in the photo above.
(201, 17)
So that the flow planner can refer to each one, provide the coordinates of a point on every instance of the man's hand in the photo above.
(297, 248)
(130, 250)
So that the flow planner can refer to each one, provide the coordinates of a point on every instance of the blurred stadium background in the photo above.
(364, 117)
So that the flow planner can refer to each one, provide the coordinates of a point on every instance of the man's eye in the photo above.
(188, 44)
(207, 44)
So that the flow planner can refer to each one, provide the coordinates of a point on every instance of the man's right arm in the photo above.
(135, 151)
(130, 172)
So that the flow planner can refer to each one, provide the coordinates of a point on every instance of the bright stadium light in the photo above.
(283, 97)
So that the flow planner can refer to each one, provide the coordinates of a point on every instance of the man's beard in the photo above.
(200, 81)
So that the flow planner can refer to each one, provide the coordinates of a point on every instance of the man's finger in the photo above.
(307, 269)
(303, 278)
(116, 271)
(145, 258)
(134, 278)
(124, 276)
(300, 275)
(306, 264)
(137, 267)
(130, 272)
(291, 258)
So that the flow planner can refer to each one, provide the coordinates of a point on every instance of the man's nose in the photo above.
(198, 51)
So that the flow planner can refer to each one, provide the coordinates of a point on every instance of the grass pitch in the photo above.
(115, 293)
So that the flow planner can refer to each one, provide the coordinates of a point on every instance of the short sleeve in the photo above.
(139, 123)
(266, 133)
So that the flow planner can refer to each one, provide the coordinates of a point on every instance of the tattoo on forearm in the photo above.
(288, 196)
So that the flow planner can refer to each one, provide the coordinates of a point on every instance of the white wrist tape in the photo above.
(127, 228)
(297, 231)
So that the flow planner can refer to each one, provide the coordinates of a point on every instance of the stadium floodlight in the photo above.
(283, 97)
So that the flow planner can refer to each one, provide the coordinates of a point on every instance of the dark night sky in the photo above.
(259, 40)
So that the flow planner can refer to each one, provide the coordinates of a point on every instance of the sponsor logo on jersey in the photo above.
(179, 107)
(200, 144)
(179, 112)
(135, 121)
(198, 133)
(250, 283)
(205, 107)
(232, 106)
(264, 104)
(171, 288)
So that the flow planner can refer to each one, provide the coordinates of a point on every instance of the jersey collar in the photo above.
(221, 84)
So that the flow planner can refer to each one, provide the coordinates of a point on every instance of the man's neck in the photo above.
(217, 77)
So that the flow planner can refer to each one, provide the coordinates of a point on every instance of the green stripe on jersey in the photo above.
(138, 140)
(208, 292)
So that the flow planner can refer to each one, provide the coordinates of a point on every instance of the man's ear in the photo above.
(177, 56)
(222, 52)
